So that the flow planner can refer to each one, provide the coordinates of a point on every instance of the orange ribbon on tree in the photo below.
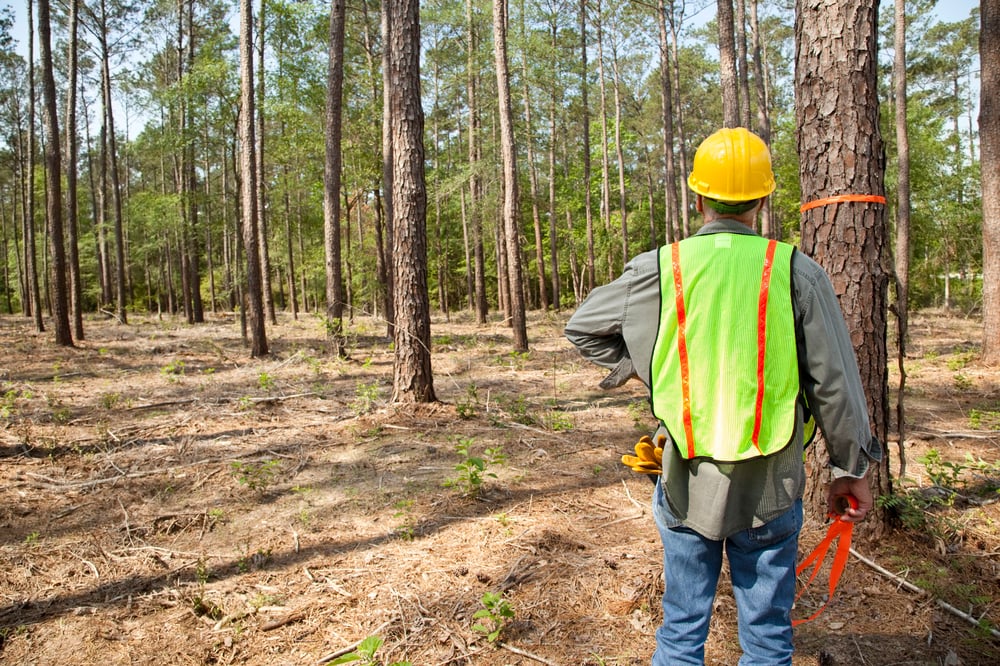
(842, 198)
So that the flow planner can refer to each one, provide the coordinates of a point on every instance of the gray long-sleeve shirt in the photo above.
(616, 327)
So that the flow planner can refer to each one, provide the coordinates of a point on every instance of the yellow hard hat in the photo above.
(732, 165)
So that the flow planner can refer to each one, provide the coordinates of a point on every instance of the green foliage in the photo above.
(265, 381)
(365, 398)
(495, 615)
(173, 371)
(466, 409)
(985, 419)
(8, 403)
(255, 476)
(472, 469)
(364, 654)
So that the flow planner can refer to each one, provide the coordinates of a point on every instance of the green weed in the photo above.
(364, 654)
(255, 476)
(496, 614)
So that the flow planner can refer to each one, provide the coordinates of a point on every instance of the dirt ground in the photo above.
(166, 499)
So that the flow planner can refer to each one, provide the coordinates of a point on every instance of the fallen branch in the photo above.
(919, 590)
(288, 618)
(525, 653)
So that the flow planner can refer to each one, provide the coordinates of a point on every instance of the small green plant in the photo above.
(639, 413)
(173, 371)
(985, 419)
(110, 400)
(467, 408)
(8, 404)
(364, 654)
(962, 381)
(472, 469)
(31, 539)
(494, 616)
(557, 421)
(255, 476)
(365, 398)
(265, 381)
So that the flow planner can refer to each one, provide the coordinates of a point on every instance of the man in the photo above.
(742, 343)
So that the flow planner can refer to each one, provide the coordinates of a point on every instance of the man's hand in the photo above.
(859, 489)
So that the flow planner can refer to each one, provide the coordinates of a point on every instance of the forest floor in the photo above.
(165, 499)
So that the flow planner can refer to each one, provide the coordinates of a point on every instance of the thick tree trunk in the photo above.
(841, 153)
(72, 214)
(902, 222)
(412, 378)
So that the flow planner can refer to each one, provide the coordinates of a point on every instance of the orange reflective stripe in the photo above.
(765, 287)
(842, 198)
(675, 259)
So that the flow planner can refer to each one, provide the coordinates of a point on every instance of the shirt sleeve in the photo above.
(595, 329)
(830, 377)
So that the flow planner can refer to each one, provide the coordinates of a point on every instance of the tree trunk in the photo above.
(30, 242)
(331, 181)
(262, 216)
(585, 125)
(254, 306)
(667, 110)
(53, 184)
(989, 147)
(902, 222)
(72, 215)
(475, 182)
(536, 218)
(605, 159)
(508, 151)
(412, 378)
(740, 32)
(387, 175)
(727, 64)
(121, 294)
(767, 226)
(841, 153)
(553, 231)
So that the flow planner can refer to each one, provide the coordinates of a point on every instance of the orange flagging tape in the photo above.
(842, 198)
(840, 532)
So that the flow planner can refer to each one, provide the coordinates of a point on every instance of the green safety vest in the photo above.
(724, 369)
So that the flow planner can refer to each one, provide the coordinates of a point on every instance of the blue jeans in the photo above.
(762, 569)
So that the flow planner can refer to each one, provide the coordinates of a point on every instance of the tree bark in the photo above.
(412, 378)
(332, 180)
(254, 306)
(841, 152)
(508, 151)
(902, 222)
(72, 214)
(727, 64)
(53, 184)
(989, 148)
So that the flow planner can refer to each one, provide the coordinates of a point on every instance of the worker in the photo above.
(741, 343)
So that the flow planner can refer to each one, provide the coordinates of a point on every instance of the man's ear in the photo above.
(699, 205)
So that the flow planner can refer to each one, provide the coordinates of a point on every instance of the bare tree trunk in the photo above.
(685, 229)
(768, 228)
(30, 243)
(332, 180)
(248, 188)
(620, 154)
(553, 231)
(262, 217)
(121, 294)
(387, 175)
(53, 182)
(902, 222)
(475, 181)
(72, 214)
(508, 150)
(727, 64)
(605, 159)
(740, 32)
(667, 109)
(989, 148)
(588, 212)
(543, 295)
(412, 378)
(841, 153)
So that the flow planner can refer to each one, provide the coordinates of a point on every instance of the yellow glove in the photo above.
(648, 458)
